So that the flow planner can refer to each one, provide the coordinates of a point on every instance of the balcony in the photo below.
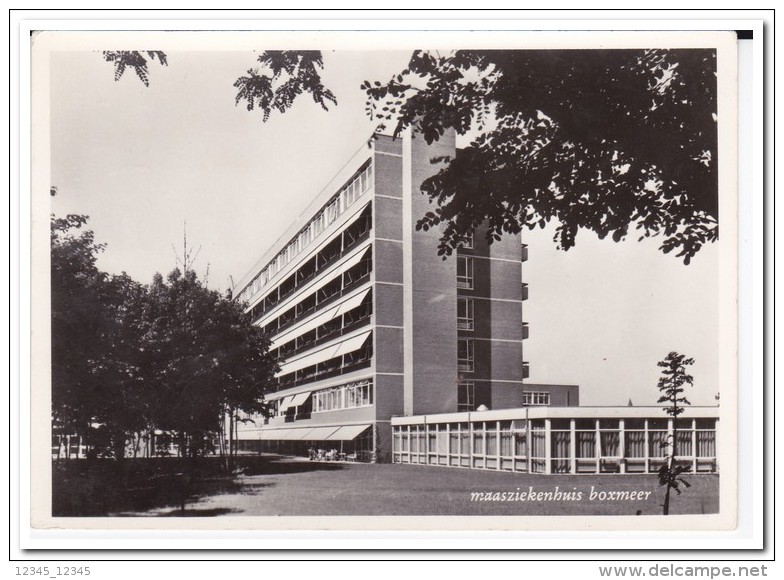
(334, 333)
(524, 288)
(325, 260)
(525, 330)
(314, 374)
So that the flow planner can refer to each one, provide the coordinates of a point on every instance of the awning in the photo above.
(353, 302)
(352, 344)
(325, 354)
(299, 434)
(299, 399)
(321, 433)
(322, 318)
(284, 434)
(347, 433)
(337, 271)
(353, 261)
(274, 434)
(285, 403)
(315, 322)
(313, 358)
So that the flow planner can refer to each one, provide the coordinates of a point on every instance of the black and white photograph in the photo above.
(388, 281)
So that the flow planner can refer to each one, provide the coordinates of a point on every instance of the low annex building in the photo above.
(560, 439)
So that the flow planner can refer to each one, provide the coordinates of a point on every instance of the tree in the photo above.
(97, 384)
(672, 385)
(124, 59)
(602, 140)
(128, 359)
(284, 75)
(76, 320)
(596, 139)
(123, 398)
(204, 358)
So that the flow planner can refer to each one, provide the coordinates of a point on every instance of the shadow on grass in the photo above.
(198, 513)
(277, 465)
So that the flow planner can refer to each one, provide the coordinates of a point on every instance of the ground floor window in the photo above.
(357, 394)
(596, 445)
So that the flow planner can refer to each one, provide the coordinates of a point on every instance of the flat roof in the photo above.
(545, 412)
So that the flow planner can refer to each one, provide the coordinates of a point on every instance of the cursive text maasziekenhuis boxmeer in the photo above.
(557, 494)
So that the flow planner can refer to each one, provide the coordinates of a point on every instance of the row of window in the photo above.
(335, 288)
(357, 185)
(357, 394)
(599, 445)
(531, 398)
(337, 326)
(466, 397)
(336, 366)
(338, 247)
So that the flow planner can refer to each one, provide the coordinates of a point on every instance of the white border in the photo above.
(740, 539)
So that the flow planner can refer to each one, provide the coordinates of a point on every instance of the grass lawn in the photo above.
(271, 486)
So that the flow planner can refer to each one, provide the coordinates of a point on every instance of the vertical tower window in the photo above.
(465, 272)
(468, 242)
(465, 355)
(465, 313)
(465, 397)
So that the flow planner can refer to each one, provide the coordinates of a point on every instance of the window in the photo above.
(465, 272)
(357, 394)
(336, 206)
(333, 210)
(465, 313)
(465, 397)
(365, 177)
(465, 355)
(536, 398)
(318, 224)
(468, 242)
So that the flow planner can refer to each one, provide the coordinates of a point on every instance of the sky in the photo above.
(142, 162)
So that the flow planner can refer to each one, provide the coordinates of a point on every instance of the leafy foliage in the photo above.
(604, 140)
(673, 381)
(204, 356)
(76, 321)
(672, 385)
(96, 378)
(124, 59)
(284, 76)
(619, 142)
(128, 358)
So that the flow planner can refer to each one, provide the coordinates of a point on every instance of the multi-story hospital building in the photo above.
(376, 334)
